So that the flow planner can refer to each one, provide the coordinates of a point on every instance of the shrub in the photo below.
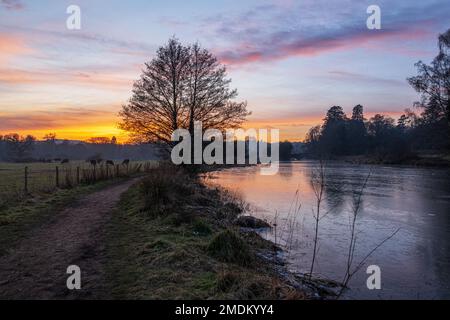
(201, 227)
(165, 188)
(155, 190)
(228, 246)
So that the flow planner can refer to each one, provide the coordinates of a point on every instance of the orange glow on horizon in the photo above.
(294, 129)
(76, 133)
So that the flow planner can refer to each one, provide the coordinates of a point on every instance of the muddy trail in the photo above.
(36, 267)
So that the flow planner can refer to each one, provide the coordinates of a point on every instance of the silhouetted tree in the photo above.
(388, 142)
(433, 83)
(379, 125)
(285, 150)
(334, 135)
(408, 120)
(358, 113)
(51, 137)
(356, 132)
(181, 85)
(18, 148)
(208, 96)
(49, 146)
(156, 108)
(312, 140)
(99, 140)
(334, 115)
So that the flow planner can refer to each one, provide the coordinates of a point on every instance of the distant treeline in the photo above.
(380, 137)
(16, 148)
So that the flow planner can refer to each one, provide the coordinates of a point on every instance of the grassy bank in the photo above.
(174, 238)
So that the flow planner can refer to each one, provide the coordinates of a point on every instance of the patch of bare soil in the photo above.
(36, 268)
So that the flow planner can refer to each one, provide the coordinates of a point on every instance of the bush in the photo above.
(228, 246)
(166, 188)
(155, 190)
(201, 227)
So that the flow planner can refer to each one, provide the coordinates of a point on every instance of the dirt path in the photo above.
(36, 268)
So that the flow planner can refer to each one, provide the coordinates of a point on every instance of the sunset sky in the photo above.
(291, 60)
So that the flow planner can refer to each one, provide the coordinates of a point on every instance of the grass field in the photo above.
(18, 180)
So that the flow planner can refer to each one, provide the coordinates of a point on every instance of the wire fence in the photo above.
(19, 181)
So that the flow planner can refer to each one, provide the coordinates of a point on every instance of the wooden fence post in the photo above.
(26, 180)
(57, 176)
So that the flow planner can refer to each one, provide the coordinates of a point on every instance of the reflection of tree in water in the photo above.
(285, 170)
(334, 188)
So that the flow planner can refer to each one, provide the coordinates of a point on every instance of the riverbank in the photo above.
(174, 238)
(414, 199)
(420, 160)
(436, 160)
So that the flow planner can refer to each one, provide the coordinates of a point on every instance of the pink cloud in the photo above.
(91, 79)
(280, 48)
(12, 4)
(11, 46)
(63, 117)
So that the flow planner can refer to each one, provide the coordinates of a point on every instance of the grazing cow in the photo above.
(65, 161)
(126, 162)
(110, 163)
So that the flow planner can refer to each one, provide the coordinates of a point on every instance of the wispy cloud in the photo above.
(274, 32)
(63, 117)
(10, 46)
(40, 38)
(12, 4)
(82, 78)
(121, 65)
(351, 76)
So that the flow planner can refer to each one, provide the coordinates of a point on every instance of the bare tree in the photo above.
(50, 137)
(19, 148)
(181, 85)
(208, 96)
(156, 108)
(99, 140)
(433, 82)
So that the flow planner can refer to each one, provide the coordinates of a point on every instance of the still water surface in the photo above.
(415, 264)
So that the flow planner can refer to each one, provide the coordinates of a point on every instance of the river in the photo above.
(415, 263)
